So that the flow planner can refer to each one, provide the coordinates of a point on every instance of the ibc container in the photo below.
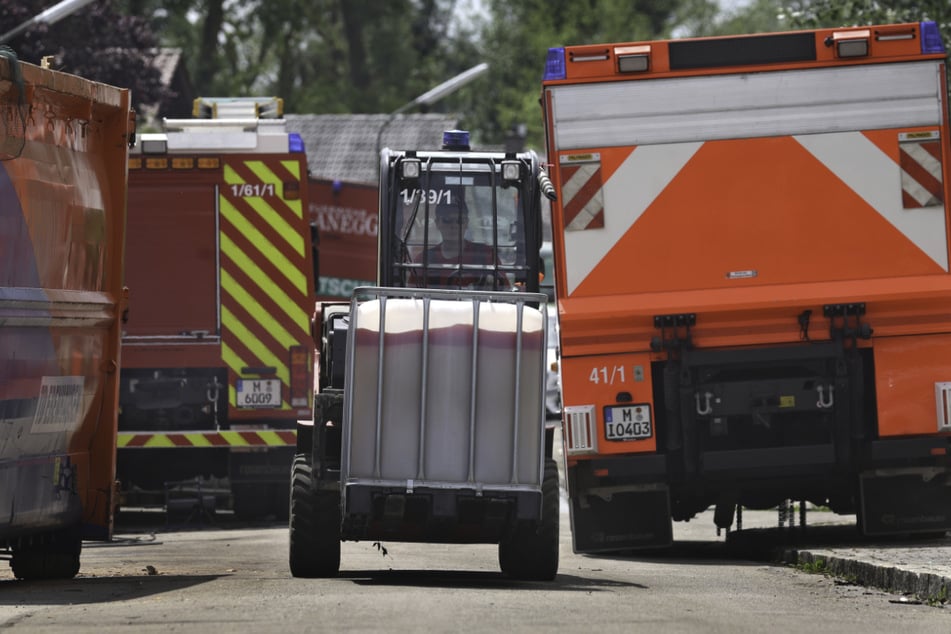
(459, 399)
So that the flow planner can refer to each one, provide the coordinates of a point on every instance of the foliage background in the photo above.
(374, 56)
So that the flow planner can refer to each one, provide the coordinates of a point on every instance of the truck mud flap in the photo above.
(627, 520)
(905, 503)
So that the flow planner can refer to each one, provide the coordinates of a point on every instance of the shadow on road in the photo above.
(479, 580)
(769, 544)
(83, 590)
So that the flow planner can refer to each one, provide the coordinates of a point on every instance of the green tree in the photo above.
(318, 55)
(97, 42)
(516, 42)
(759, 16)
(833, 13)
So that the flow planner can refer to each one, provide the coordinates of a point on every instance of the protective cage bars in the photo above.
(420, 480)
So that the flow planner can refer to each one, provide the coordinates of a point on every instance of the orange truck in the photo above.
(752, 265)
(63, 154)
(217, 353)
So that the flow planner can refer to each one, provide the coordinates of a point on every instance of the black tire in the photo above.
(314, 524)
(532, 554)
(57, 559)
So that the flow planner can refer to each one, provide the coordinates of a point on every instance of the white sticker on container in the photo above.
(60, 404)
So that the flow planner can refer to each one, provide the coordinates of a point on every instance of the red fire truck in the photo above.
(345, 217)
(218, 357)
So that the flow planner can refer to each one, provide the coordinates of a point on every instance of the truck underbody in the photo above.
(756, 427)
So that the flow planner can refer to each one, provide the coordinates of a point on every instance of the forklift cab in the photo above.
(458, 219)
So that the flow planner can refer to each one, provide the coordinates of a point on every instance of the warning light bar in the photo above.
(555, 64)
(931, 38)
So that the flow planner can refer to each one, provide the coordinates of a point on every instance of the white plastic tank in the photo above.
(455, 412)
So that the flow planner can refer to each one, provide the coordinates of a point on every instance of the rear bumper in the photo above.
(436, 515)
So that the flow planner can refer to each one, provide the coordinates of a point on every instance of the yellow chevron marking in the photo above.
(272, 290)
(231, 177)
(158, 440)
(271, 438)
(263, 245)
(235, 362)
(293, 238)
(262, 171)
(200, 439)
(293, 167)
(250, 304)
(252, 343)
(234, 438)
(270, 216)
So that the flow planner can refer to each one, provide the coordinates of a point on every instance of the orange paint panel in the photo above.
(887, 140)
(598, 380)
(750, 315)
(906, 370)
(767, 222)
(611, 158)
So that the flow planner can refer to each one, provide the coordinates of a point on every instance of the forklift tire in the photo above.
(314, 524)
(532, 554)
(58, 559)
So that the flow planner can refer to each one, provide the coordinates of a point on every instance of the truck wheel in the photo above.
(58, 559)
(532, 554)
(314, 525)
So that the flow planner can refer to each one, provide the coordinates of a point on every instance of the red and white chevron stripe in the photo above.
(920, 160)
(581, 194)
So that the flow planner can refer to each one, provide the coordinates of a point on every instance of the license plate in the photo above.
(256, 393)
(629, 422)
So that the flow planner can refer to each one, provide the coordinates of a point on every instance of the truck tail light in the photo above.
(292, 190)
(633, 59)
(581, 434)
(300, 377)
(851, 43)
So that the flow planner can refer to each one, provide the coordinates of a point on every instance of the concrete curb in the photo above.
(923, 585)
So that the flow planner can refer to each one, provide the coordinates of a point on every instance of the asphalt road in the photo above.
(204, 576)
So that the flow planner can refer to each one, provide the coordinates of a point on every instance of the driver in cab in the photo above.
(448, 260)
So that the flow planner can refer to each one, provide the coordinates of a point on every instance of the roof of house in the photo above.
(344, 146)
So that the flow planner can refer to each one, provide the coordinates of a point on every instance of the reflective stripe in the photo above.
(921, 181)
(582, 198)
(265, 295)
(263, 438)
